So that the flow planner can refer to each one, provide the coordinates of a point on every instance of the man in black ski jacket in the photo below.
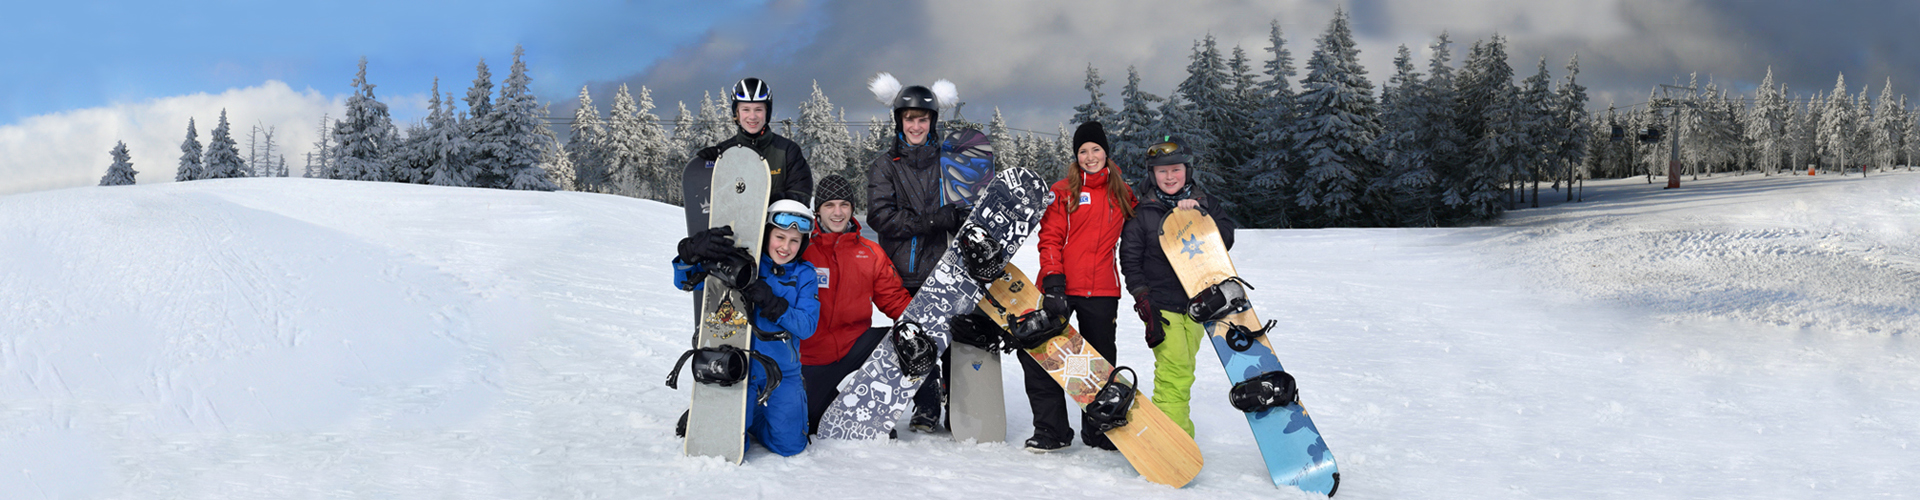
(752, 115)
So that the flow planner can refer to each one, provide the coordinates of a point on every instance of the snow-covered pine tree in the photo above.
(553, 155)
(1767, 125)
(1096, 108)
(1536, 92)
(260, 154)
(1489, 111)
(1004, 156)
(1338, 121)
(475, 126)
(223, 153)
(822, 138)
(190, 156)
(1862, 131)
(1909, 127)
(585, 143)
(1886, 128)
(623, 151)
(1132, 128)
(1401, 154)
(1445, 147)
(686, 135)
(121, 172)
(1268, 195)
(1837, 126)
(518, 144)
(716, 120)
(365, 137)
(446, 148)
(1204, 113)
(1573, 124)
(662, 164)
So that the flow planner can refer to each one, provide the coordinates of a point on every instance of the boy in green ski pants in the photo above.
(1158, 295)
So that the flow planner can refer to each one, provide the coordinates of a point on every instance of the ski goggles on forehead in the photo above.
(1162, 149)
(791, 221)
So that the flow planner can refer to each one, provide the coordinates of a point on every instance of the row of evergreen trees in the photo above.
(1771, 131)
(628, 151)
(502, 143)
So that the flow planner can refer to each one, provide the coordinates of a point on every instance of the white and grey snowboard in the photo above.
(716, 423)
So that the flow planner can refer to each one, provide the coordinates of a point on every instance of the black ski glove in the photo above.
(1055, 301)
(950, 217)
(709, 153)
(771, 306)
(1156, 332)
(710, 245)
(976, 330)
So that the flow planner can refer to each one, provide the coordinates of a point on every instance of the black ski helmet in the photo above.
(914, 97)
(752, 90)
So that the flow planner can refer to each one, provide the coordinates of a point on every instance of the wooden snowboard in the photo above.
(717, 418)
(1294, 451)
(1159, 450)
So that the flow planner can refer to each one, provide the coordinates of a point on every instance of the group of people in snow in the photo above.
(818, 279)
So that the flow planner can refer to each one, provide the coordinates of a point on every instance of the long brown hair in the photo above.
(1117, 191)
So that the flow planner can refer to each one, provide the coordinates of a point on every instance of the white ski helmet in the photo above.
(790, 214)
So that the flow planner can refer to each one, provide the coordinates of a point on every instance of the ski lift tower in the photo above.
(1672, 104)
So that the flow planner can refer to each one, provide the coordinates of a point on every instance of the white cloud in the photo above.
(69, 149)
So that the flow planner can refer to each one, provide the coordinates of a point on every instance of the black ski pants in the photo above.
(823, 381)
(1095, 318)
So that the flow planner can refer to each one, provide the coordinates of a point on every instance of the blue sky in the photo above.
(72, 55)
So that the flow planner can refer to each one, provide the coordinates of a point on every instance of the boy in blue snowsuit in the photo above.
(785, 308)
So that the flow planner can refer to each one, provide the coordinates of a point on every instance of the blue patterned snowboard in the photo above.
(1296, 455)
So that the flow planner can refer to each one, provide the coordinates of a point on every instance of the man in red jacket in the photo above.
(855, 276)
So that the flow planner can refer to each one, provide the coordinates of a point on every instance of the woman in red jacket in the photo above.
(1077, 272)
(855, 277)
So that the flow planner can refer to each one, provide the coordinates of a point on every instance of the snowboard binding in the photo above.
(915, 349)
(724, 366)
(981, 254)
(735, 272)
(1034, 329)
(1108, 410)
(1269, 390)
(978, 331)
(1241, 338)
(1224, 299)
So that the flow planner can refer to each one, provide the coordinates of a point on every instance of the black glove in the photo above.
(709, 153)
(1055, 301)
(976, 330)
(771, 306)
(1155, 323)
(710, 245)
(949, 217)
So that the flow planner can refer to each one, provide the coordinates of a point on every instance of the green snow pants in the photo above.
(1173, 363)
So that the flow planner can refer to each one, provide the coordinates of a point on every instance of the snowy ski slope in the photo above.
(1742, 337)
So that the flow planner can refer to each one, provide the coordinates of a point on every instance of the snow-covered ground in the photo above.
(1742, 337)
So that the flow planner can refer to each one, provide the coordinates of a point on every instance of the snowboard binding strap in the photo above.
(735, 271)
(1241, 338)
(724, 366)
(1223, 299)
(981, 254)
(914, 348)
(1032, 330)
(1108, 410)
(1267, 391)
